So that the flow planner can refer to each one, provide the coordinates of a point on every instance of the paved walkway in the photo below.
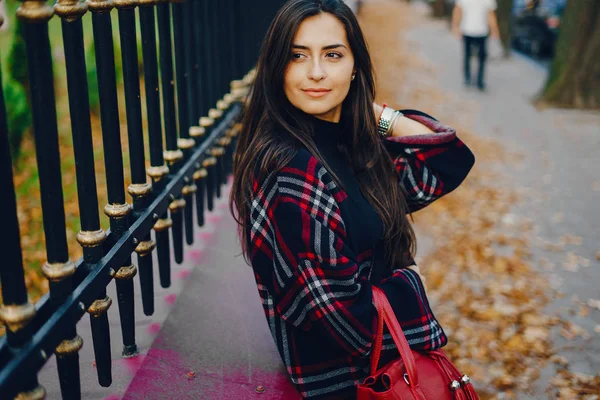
(555, 172)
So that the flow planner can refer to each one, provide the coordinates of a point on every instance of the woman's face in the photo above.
(318, 76)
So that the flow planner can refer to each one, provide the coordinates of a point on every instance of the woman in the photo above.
(321, 198)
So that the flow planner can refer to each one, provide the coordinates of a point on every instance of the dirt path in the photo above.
(483, 248)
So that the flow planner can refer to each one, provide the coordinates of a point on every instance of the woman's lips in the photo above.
(316, 92)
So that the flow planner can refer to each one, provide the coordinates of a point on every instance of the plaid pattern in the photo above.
(315, 290)
(429, 165)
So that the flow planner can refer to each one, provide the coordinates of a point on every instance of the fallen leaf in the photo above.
(593, 303)
(559, 360)
(533, 334)
(572, 239)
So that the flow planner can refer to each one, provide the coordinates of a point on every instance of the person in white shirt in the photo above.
(475, 20)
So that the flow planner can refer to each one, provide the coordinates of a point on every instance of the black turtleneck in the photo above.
(364, 228)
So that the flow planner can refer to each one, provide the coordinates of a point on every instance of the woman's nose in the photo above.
(316, 72)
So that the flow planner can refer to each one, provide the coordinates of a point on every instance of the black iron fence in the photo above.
(197, 57)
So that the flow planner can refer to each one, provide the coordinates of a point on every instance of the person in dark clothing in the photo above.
(475, 20)
(479, 44)
(323, 181)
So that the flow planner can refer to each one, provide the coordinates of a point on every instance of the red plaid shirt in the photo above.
(315, 290)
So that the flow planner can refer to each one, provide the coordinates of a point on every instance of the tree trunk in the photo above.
(439, 8)
(504, 15)
(574, 79)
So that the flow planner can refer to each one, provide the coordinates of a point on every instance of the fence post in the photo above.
(117, 209)
(58, 268)
(16, 312)
(158, 170)
(139, 189)
(173, 154)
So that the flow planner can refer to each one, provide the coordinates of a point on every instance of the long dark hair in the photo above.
(273, 128)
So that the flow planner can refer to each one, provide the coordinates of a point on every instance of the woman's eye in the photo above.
(334, 55)
(297, 56)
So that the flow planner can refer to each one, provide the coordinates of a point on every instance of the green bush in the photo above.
(17, 56)
(18, 114)
(92, 79)
(16, 96)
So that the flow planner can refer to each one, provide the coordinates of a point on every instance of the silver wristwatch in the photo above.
(386, 121)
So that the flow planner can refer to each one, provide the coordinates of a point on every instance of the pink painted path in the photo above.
(214, 343)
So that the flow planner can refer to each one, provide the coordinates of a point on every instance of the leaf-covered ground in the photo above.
(485, 289)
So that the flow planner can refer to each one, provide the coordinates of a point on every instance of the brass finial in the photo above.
(100, 5)
(249, 77)
(189, 189)
(17, 316)
(176, 205)
(163, 224)
(99, 307)
(237, 84)
(124, 4)
(222, 105)
(206, 122)
(217, 151)
(200, 174)
(91, 238)
(234, 131)
(239, 93)
(196, 131)
(172, 156)
(224, 141)
(117, 211)
(70, 9)
(145, 247)
(215, 113)
(39, 393)
(209, 162)
(228, 98)
(157, 172)
(125, 272)
(139, 189)
(56, 272)
(70, 346)
(34, 11)
(185, 143)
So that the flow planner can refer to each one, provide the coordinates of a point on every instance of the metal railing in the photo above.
(211, 44)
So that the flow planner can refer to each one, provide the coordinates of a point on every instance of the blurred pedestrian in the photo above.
(475, 20)
(323, 181)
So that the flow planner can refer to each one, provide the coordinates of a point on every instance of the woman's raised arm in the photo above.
(430, 164)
